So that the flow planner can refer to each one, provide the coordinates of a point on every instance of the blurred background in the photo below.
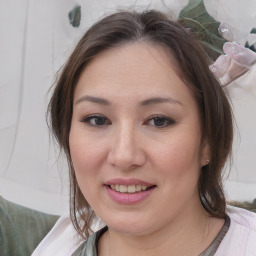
(36, 37)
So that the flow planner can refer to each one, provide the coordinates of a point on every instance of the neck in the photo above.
(188, 234)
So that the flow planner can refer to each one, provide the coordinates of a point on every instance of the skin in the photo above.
(127, 141)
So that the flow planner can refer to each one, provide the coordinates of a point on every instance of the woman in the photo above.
(146, 129)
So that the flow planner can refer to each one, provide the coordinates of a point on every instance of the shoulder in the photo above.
(22, 228)
(243, 218)
(62, 240)
(241, 236)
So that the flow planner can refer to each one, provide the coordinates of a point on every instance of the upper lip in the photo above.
(128, 182)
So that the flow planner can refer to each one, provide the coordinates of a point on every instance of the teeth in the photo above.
(115, 187)
(123, 189)
(143, 187)
(138, 188)
(128, 189)
(131, 189)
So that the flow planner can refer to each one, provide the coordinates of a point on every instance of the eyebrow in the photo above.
(150, 101)
(93, 99)
(157, 100)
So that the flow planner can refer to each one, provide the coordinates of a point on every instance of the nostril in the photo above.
(126, 159)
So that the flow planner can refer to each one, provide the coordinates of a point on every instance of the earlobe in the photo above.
(206, 155)
(205, 162)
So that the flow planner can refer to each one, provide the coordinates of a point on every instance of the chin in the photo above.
(129, 226)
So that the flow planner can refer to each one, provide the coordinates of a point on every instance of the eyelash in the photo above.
(166, 120)
(89, 118)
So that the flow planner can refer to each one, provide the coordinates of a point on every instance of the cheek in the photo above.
(180, 152)
(84, 149)
(84, 153)
(179, 159)
(87, 170)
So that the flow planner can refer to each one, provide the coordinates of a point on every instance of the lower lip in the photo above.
(128, 198)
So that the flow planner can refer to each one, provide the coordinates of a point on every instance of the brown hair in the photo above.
(191, 65)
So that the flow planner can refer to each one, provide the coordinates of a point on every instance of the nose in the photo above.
(126, 151)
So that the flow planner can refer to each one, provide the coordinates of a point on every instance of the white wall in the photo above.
(35, 40)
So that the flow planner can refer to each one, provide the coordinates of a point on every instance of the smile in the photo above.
(130, 188)
(129, 194)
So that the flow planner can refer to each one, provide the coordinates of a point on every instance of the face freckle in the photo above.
(134, 123)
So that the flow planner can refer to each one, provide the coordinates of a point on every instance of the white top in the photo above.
(62, 240)
(240, 239)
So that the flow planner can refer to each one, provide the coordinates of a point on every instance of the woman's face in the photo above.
(135, 140)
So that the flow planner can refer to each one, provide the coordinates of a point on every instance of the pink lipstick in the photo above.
(128, 191)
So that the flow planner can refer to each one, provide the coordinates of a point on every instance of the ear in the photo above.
(206, 154)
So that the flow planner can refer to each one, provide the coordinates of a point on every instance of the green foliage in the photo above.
(253, 31)
(75, 16)
(251, 206)
(195, 17)
(251, 47)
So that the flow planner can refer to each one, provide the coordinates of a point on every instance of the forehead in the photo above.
(138, 69)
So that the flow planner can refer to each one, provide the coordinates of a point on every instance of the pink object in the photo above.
(127, 182)
(128, 198)
(236, 61)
